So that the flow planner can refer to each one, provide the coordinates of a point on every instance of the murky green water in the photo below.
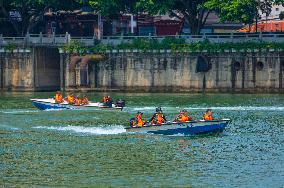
(90, 148)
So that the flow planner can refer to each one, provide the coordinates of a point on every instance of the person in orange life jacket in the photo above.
(183, 116)
(78, 101)
(58, 97)
(158, 117)
(138, 120)
(104, 99)
(85, 100)
(109, 102)
(70, 99)
(208, 115)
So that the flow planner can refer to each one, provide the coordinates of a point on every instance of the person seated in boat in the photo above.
(104, 99)
(58, 97)
(108, 102)
(85, 100)
(78, 101)
(158, 118)
(70, 99)
(138, 121)
(183, 116)
(208, 115)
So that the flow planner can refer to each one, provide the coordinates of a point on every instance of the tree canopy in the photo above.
(32, 11)
(193, 12)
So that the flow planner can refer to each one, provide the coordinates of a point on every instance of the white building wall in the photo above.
(274, 15)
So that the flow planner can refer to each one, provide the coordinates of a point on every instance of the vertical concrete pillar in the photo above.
(33, 71)
(6, 72)
(1, 70)
(62, 71)
(69, 74)
(77, 75)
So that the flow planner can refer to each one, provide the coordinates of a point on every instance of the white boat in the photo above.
(49, 104)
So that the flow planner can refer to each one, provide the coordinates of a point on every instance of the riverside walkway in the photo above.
(60, 40)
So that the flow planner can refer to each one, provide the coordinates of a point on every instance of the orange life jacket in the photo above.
(105, 99)
(77, 101)
(207, 117)
(58, 98)
(85, 100)
(183, 118)
(70, 99)
(139, 120)
(160, 119)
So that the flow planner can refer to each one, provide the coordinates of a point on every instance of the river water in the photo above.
(91, 148)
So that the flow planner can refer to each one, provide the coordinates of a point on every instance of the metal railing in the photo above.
(60, 40)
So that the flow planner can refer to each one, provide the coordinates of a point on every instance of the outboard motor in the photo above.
(131, 122)
(120, 103)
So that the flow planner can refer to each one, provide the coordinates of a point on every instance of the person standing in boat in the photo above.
(183, 117)
(58, 97)
(158, 118)
(208, 115)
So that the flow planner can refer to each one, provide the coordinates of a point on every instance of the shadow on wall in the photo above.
(203, 64)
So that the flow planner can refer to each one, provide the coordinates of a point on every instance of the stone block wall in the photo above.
(240, 72)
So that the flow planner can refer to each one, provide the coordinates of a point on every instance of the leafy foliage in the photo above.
(74, 47)
(192, 12)
(10, 47)
(32, 11)
(175, 45)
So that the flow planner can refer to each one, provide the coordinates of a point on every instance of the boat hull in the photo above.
(50, 104)
(190, 128)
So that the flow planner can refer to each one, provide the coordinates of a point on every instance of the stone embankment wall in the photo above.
(30, 69)
(42, 68)
(241, 72)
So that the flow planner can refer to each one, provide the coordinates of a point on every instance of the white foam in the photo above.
(144, 108)
(16, 111)
(102, 130)
(221, 108)
(241, 108)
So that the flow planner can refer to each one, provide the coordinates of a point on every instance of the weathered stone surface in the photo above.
(241, 72)
(35, 70)
(46, 69)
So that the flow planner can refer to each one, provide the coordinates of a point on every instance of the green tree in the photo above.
(113, 7)
(245, 11)
(32, 11)
(193, 12)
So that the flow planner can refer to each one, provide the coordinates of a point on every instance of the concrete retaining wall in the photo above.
(35, 69)
(47, 69)
(242, 72)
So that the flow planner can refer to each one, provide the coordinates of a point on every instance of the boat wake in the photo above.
(102, 130)
(219, 108)
(242, 108)
(17, 111)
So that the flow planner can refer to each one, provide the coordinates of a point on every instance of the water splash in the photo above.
(102, 130)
